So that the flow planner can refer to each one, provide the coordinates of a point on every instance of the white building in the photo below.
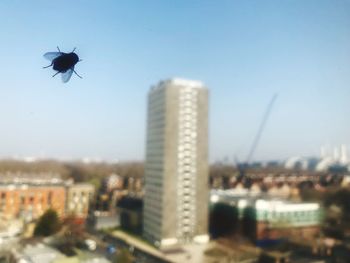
(176, 171)
(274, 214)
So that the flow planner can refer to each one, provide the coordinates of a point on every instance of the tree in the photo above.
(48, 224)
(249, 223)
(73, 230)
(338, 213)
(223, 220)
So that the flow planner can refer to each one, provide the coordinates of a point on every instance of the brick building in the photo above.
(31, 201)
(28, 195)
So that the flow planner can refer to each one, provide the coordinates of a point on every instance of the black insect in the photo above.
(63, 63)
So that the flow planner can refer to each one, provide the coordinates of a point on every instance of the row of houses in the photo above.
(28, 195)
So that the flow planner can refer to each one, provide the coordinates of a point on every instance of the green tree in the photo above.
(223, 220)
(249, 223)
(48, 224)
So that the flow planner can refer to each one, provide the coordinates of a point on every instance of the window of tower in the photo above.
(188, 103)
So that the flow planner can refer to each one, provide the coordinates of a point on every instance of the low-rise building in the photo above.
(282, 220)
(266, 220)
(79, 197)
(30, 201)
(130, 210)
(28, 195)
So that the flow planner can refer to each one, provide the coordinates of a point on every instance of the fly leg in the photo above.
(77, 74)
(56, 73)
(59, 49)
(73, 49)
(48, 66)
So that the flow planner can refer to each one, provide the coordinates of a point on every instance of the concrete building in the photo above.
(176, 171)
(79, 197)
(129, 210)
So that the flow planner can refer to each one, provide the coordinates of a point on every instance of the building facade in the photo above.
(277, 220)
(30, 201)
(264, 219)
(79, 197)
(28, 195)
(176, 171)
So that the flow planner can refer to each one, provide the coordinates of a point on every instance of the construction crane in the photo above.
(243, 166)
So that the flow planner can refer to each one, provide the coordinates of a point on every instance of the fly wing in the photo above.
(52, 55)
(66, 75)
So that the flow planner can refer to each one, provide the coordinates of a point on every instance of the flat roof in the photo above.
(179, 82)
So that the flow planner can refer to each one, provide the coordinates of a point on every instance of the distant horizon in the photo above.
(30, 159)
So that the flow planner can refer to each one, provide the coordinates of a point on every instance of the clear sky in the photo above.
(244, 51)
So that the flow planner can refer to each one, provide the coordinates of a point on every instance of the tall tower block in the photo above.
(176, 170)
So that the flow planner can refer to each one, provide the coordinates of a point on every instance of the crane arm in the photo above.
(261, 129)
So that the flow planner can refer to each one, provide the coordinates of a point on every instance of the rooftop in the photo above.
(185, 82)
(179, 82)
(41, 178)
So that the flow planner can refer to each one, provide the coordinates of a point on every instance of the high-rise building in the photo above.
(176, 173)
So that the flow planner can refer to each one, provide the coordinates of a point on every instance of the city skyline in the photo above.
(245, 52)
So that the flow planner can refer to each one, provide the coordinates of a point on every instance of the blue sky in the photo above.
(244, 51)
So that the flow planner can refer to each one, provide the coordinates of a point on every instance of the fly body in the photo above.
(63, 63)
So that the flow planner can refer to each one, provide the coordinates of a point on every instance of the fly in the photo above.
(63, 63)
